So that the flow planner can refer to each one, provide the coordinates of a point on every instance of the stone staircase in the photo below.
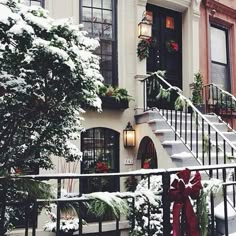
(176, 148)
(194, 148)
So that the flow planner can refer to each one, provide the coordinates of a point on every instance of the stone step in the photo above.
(156, 124)
(168, 134)
(184, 159)
(146, 116)
(176, 146)
(220, 218)
(210, 117)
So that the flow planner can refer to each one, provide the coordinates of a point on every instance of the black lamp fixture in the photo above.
(144, 27)
(129, 136)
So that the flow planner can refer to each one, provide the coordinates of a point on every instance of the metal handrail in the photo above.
(201, 120)
(220, 101)
(196, 110)
(222, 90)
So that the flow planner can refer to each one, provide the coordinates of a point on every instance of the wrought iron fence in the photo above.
(227, 174)
(220, 102)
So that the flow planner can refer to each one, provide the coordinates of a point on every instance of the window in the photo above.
(219, 57)
(99, 19)
(33, 2)
(100, 147)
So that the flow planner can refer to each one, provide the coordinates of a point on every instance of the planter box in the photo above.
(112, 103)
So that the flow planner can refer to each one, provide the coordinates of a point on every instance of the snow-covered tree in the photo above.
(48, 74)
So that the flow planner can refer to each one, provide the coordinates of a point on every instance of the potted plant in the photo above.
(197, 92)
(114, 98)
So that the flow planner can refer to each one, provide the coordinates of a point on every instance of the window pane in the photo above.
(170, 23)
(107, 31)
(97, 51)
(106, 62)
(36, 3)
(107, 77)
(106, 47)
(107, 4)
(87, 14)
(87, 3)
(107, 16)
(97, 3)
(97, 30)
(219, 76)
(88, 28)
(218, 45)
(97, 15)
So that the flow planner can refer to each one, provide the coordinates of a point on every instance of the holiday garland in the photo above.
(143, 48)
(148, 196)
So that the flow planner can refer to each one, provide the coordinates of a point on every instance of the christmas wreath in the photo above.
(172, 46)
(143, 48)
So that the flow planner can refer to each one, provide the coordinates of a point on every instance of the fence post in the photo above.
(3, 205)
(166, 203)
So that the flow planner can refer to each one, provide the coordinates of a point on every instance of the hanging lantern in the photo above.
(145, 28)
(129, 136)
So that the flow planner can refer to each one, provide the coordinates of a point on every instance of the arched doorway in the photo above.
(147, 154)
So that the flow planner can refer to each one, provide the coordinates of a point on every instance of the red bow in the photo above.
(179, 193)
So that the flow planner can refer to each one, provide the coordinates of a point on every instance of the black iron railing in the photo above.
(220, 102)
(206, 140)
(166, 206)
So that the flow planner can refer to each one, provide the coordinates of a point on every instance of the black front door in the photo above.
(166, 48)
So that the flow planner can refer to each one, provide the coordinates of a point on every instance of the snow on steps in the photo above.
(162, 124)
(168, 134)
(148, 115)
(220, 218)
(176, 146)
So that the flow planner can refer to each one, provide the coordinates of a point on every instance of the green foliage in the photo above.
(202, 213)
(180, 103)
(210, 187)
(143, 48)
(21, 190)
(197, 89)
(117, 93)
(106, 202)
(164, 93)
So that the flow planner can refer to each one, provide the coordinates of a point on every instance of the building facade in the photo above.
(204, 32)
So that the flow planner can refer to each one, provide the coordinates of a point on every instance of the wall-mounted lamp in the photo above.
(144, 27)
(129, 136)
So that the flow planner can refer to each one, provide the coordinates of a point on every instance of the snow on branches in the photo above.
(48, 74)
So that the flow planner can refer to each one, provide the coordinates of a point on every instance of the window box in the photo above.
(114, 104)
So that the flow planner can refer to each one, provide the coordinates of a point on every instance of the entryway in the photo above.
(165, 52)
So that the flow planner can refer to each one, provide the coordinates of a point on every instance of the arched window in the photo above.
(147, 154)
(100, 147)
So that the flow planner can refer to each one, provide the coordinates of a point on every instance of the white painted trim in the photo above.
(176, 5)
